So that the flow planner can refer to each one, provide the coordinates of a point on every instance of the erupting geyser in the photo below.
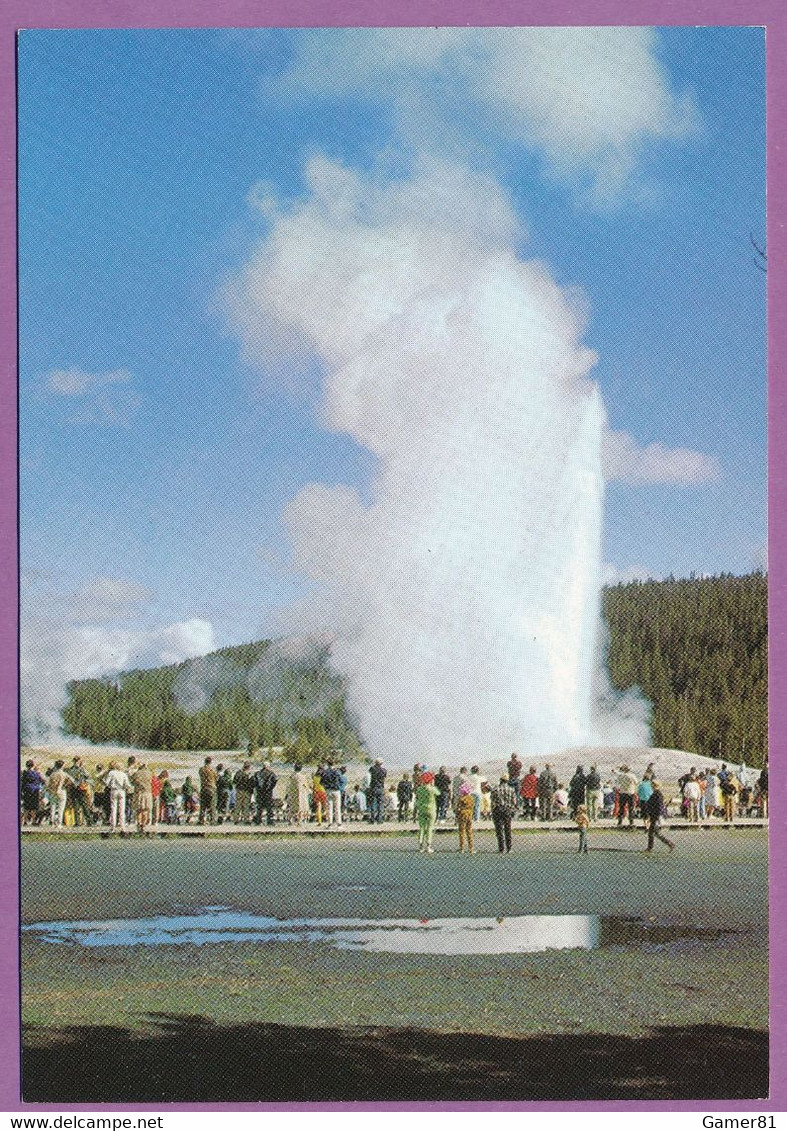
(463, 600)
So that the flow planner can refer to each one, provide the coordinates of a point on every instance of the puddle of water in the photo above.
(518, 934)
(515, 935)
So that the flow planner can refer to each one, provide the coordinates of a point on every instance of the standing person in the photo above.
(594, 795)
(118, 788)
(627, 794)
(80, 793)
(702, 782)
(762, 785)
(460, 779)
(730, 788)
(167, 799)
(657, 807)
(644, 790)
(264, 785)
(100, 796)
(377, 776)
(207, 792)
(443, 782)
(426, 811)
(504, 806)
(223, 791)
(576, 790)
(131, 769)
(547, 784)
(476, 780)
(650, 771)
(529, 793)
(143, 796)
(692, 794)
(404, 795)
(298, 795)
(358, 802)
(319, 797)
(331, 783)
(343, 790)
(465, 807)
(514, 767)
(244, 788)
(711, 793)
(32, 791)
(582, 821)
(155, 789)
(189, 795)
(57, 785)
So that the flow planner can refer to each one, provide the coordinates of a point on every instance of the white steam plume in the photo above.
(464, 601)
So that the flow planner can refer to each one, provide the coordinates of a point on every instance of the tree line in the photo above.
(696, 648)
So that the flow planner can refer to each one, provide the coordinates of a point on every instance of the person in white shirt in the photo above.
(118, 783)
(693, 794)
(476, 781)
(57, 784)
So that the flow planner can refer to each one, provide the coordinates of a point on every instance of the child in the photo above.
(582, 821)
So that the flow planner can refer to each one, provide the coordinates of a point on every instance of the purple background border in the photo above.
(16, 14)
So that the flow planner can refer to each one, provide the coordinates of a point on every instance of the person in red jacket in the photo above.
(529, 793)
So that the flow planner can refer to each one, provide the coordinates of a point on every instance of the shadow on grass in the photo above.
(190, 1058)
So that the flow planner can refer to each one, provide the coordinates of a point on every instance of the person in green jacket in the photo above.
(426, 811)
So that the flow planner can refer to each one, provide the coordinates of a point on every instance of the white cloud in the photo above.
(93, 632)
(589, 98)
(626, 461)
(105, 398)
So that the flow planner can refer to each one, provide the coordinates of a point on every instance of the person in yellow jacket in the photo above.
(465, 808)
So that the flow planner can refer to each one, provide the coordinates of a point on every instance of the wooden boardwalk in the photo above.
(364, 828)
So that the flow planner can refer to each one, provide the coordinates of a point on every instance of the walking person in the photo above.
(118, 787)
(208, 791)
(426, 811)
(582, 821)
(657, 807)
(504, 806)
(465, 807)
(644, 790)
(547, 784)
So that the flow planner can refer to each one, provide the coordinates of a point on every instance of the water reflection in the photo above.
(515, 935)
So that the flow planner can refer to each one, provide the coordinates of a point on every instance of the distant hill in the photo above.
(697, 648)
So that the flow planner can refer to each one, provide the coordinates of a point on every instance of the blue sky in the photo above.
(155, 454)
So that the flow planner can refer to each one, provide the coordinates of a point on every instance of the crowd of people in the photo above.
(132, 794)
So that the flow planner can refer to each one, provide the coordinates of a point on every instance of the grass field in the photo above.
(680, 1011)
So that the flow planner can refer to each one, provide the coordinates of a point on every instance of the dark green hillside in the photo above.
(697, 648)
